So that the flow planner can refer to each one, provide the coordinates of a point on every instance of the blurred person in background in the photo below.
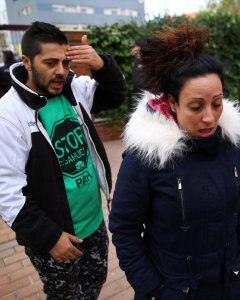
(137, 73)
(5, 78)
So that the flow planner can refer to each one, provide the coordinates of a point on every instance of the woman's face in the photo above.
(200, 105)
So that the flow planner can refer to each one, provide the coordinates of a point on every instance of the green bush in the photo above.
(116, 40)
(224, 43)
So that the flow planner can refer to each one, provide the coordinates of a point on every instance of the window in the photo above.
(70, 9)
(25, 11)
(110, 11)
(72, 27)
(121, 12)
(57, 8)
(86, 10)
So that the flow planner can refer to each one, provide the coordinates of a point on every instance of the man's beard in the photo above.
(43, 88)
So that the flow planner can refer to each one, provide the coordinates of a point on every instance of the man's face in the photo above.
(135, 50)
(49, 69)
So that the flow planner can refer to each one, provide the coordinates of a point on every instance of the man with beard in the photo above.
(53, 163)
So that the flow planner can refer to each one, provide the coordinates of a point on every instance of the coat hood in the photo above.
(158, 139)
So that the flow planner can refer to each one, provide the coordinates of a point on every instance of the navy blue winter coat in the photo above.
(175, 211)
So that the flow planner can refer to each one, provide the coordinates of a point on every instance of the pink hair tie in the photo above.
(161, 105)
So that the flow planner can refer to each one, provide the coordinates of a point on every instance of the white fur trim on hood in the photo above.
(159, 139)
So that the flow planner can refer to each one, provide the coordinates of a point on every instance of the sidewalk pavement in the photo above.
(19, 280)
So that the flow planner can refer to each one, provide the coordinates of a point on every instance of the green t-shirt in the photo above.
(80, 179)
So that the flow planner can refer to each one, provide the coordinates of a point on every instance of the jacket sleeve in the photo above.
(111, 88)
(17, 208)
(130, 207)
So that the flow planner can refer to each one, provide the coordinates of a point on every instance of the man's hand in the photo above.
(64, 249)
(85, 54)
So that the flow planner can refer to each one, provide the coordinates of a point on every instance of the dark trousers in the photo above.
(80, 279)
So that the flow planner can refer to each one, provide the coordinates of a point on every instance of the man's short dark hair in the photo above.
(40, 33)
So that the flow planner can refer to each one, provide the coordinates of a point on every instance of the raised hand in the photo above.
(85, 54)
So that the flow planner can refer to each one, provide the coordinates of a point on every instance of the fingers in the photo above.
(85, 54)
(84, 39)
(69, 255)
(76, 252)
(74, 50)
(75, 239)
(64, 249)
(80, 53)
(73, 254)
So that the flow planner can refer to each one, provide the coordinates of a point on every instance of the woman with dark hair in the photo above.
(175, 212)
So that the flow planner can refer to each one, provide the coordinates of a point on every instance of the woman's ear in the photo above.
(172, 103)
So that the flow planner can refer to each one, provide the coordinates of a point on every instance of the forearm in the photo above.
(17, 208)
(111, 90)
(35, 229)
(130, 208)
(133, 255)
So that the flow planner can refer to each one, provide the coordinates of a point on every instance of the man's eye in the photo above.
(50, 63)
(66, 63)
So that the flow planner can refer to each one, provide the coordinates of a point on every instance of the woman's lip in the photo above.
(206, 131)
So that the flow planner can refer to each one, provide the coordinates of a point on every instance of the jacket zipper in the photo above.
(184, 226)
(107, 193)
(238, 188)
(236, 177)
(236, 272)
